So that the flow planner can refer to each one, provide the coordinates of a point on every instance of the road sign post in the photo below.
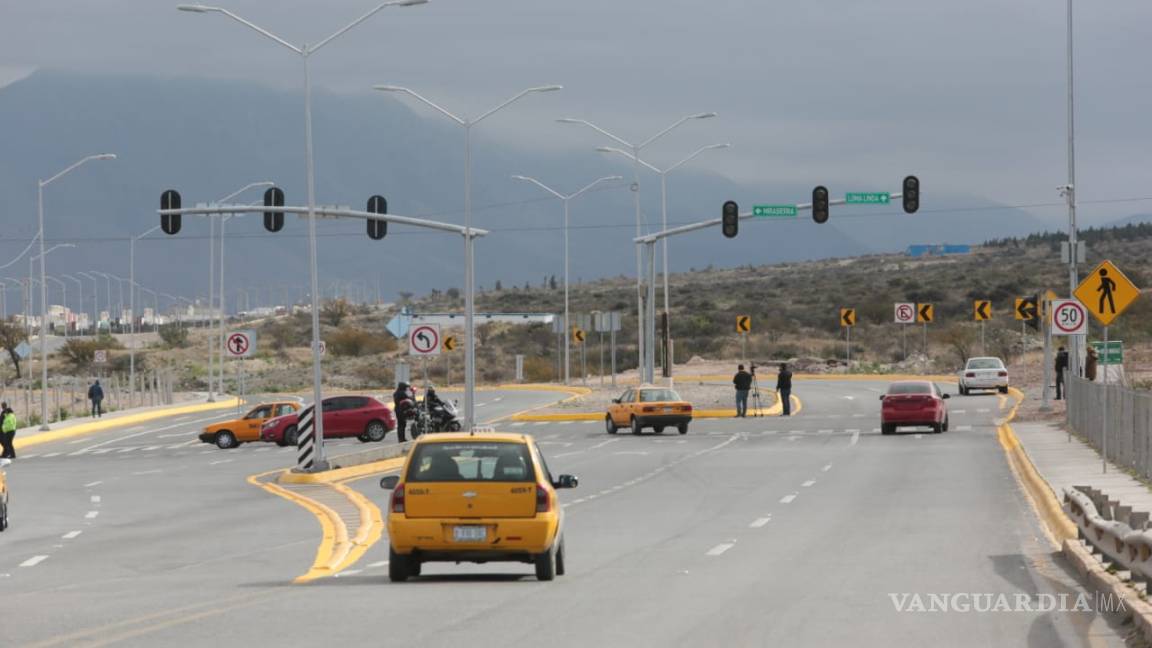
(743, 328)
(982, 312)
(925, 313)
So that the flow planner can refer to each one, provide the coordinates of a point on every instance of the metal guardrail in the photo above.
(1129, 442)
(1121, 535)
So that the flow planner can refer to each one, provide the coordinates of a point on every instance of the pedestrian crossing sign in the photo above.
(1106, 292)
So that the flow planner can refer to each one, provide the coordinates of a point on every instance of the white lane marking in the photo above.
(964, 428)
(795, 431)
(959, 411)
(150, 448)
(983, 411)
(832, 416)
(103, 451)
(771, 432)
(95, 483)
(603, 443)
(642, 453)
(567, 454)
(517, 424)
(720, 549)
(349, 572)
(128, 449)
(148, 472)
(382, 563)
(564, 423)
(539, 423)
(759, 522)
(823, 431)
(497, 399)
(859, 415)
(919, 436)
(95, 499)
(808, 483)
(51, 454)
(91, 514)
(793, 438)
(33, 561)
(130, 436)
(874, 430)
(172, 436)
(827, 468)
(848, 397)
(855, 437)
(29, 456)
(787, 499)
(223, 461)
(71, 534)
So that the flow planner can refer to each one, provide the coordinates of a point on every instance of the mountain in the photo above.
(209, 137)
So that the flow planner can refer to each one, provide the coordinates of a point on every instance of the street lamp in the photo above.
(636, 148)
(132, 310)
(305, 53)
(565, 200)
(469, 258)
(650, 357)
(43, 289)
(95, 301)
(80, 286)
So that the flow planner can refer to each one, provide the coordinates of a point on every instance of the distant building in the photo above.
(937, 250)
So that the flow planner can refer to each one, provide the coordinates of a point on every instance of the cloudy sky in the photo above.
(969, 94)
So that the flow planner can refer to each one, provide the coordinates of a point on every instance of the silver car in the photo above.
(984, 373)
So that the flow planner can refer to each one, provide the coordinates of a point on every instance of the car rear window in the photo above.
(910, 388)
(985, 363)
(471, 461)
(658, 395)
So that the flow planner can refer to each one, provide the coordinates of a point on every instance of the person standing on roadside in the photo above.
(784, 388)
(743, 382)
(96, 395)
(1061, 367)
(7, 431)
(403, 404)
(1090, 364)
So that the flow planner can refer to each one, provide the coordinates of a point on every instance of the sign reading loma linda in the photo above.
(867, 197)
(774, 211)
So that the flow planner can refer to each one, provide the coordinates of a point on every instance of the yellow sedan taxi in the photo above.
(648, 406)
(484, 497)
(4, 495)
(230, 434)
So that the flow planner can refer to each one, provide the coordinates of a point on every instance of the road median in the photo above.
(31, 436)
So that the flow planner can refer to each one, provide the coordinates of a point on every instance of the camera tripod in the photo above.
(757, 404)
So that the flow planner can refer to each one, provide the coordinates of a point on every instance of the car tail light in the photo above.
(687, 408)
(398, 499)
(970, 374)
(543, 499)
(1003, 374)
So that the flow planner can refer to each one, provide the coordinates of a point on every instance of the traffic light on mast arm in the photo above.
(911, 194)
(274, 221)
(170, 223)
(730, 219)
(377, 229)
(820, 204)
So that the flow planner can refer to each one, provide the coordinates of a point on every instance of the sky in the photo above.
(967, 94)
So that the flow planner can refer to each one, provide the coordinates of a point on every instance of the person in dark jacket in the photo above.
(784, 388)
(743, 382)
(96, 395)
(402, 410)
(1090, 364)
(1061, 367)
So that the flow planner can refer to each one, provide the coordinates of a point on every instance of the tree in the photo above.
(335, 311)
(11, 335)
(552, 282)
(405, 297)
(499, 286)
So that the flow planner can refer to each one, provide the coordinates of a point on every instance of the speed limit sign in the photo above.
(1069, 317)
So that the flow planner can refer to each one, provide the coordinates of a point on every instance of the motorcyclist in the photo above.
(403, 400)
(431, 400)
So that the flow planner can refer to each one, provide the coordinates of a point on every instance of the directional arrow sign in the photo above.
(1025, 308)
(867, 198)
(982, 310)
(578, 335)
(450, 343)
(743, 324)
(424, 340)
(847, 317)
(924, 313)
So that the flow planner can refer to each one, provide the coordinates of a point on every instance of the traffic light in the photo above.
(911, 194)
(377, 228)
(730, 219)
(170, 223)
(820, 204)
(274, 221)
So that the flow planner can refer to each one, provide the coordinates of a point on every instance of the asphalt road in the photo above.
(800, 531)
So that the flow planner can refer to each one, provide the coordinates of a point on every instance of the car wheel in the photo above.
(4, 517)
(454, 426)
(1004, 390)
(635, 426)
(609, 426)
(963, 391)
(560, 559)
(887, 428)
(945, 427)
(937, 428)
(683, 428)
(546, 565)
(375, 431)
(397, 567)
(225, 440)
(291, 436)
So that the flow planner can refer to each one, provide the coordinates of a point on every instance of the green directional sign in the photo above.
(1113, 355)
(867, 198)
(774, 211)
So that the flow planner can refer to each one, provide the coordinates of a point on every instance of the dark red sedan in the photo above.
(913, 403)
(362, 417)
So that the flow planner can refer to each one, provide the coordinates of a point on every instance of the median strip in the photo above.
(84, 429)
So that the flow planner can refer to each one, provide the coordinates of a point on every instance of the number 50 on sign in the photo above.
(1069, 317)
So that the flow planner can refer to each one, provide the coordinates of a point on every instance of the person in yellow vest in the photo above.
(7, 431)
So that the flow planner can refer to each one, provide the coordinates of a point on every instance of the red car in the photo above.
(362, 417)
(913, 403)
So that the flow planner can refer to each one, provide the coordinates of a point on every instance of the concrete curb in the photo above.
(340, 474)
(1098, 579)
(83, 429)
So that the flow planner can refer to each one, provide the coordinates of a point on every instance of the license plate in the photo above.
(667, 410)
(470, 534)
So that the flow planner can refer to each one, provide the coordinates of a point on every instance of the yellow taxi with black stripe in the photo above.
(475, 497)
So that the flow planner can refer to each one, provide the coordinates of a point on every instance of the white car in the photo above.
(984, 373)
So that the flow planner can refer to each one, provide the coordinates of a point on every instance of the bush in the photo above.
(335, 311)
(358, 342)
(174, 335)
(80, 353)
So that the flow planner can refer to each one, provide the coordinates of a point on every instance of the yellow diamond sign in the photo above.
(1106, 292)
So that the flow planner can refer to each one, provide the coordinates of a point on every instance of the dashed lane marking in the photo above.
(382, 563)
(518, 424)
(759, 522)
(95, 483)
(33, 561)
(824, 431)
(720, 549)
(855, 437)
(827, 468)
(50, 455)
(919, 436)
(154, 471)
(808, 483)
(91, 515)
(220, 461)
(71, 534)
(95, 499)
(787, 499)
(963, 428)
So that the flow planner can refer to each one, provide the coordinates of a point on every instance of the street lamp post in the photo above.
(469, 258)
(43, 289)
(565, 199)
(635, 149)
(80, 287)
(63, 299)
(651, 353)
(132, 309)
(305, 52)
(95, 302)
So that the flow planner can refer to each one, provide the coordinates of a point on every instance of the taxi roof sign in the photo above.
(1106, 292)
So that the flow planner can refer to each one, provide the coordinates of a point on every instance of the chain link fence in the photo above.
(1129, 436)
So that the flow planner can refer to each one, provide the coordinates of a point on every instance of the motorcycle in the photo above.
(443, 417)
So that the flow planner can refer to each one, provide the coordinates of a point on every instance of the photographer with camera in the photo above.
(743, 382)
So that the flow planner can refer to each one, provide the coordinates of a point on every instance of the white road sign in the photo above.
(241, 344)
(905, 313)
(424, 340)
(99, 356)
(1069, 317)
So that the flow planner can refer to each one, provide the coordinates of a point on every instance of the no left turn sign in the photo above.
(424, 340)
(1069, 317)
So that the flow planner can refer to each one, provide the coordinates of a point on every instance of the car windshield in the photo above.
(985, 363)
(658, 395)
(471, 461)
(910, 388)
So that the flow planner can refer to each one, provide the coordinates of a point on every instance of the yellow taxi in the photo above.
(648, 406)
(245, 429)
(4, 495)
(483, 497)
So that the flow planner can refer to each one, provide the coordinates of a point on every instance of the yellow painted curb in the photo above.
(99, 426)
(333, 532)
(1039, 492)
(340, 474)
